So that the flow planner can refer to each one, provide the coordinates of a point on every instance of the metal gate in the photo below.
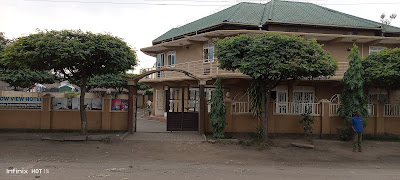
(182, 109)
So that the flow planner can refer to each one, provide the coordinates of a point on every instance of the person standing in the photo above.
(356, 124)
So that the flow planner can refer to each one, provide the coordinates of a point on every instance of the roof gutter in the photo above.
(200, 31)
(308, 24)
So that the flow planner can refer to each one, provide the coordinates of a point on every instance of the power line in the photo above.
(122, 3)
(200, 4)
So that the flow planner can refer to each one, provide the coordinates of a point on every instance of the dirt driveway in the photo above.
(201, 160)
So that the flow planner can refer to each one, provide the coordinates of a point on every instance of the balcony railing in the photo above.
(297, 108)
(197, 68)
(200, 67)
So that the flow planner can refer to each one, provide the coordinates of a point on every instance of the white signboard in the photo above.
(21, 102)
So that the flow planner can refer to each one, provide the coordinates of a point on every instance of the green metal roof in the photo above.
(282, 11)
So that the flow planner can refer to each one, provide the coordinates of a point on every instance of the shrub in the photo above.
(307, 123)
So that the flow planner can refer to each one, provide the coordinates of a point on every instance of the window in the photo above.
(171, 59)
(374, 49)
(303, 97)
(160, 60)
(208, 52)
(375, 95)
(281, 100)
(160, 64)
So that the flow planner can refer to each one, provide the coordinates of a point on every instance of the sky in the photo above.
(138, 22)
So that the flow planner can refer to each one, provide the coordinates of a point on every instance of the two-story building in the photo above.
(190, 48)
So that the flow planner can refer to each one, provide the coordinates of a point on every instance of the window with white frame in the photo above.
(160, 60)
(160, 64)
(208, 52)
(281, 105)
(303, 97)
(171, 58)
(375, 49)
(377, 95)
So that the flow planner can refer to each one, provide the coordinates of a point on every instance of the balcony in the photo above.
(200, 68)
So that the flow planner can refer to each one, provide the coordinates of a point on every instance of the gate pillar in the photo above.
(202, 110)
(132, 87)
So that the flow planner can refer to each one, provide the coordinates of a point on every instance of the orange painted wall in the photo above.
(70, 119)
(392, 125)
(119, 120)
(20, 119)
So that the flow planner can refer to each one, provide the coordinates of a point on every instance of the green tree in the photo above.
(217, 114)
(25, 78)
(108, 81)
(21, 78)
(353, 97)
(272, 58)
(382, 69)
(73, 55)
(113, 81)
(4, 42)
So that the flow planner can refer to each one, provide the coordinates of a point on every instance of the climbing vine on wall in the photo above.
(217, 114)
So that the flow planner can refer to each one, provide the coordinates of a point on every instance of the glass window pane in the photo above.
(205, 54)
(211, 53)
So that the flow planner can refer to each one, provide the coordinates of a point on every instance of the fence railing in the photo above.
(201, 67)
(297, 108)
(334, 107)
(241, 108)
(198, 67)
(392, 110)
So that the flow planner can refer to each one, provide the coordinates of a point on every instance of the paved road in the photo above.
(167, 136)
(148, 129)
(148, 125)
(153, 160)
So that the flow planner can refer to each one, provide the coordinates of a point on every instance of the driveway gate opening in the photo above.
(182, 109)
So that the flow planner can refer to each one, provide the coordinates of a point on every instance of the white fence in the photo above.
(392, 110)
(333, 109)
(297, 108)
(241, 108)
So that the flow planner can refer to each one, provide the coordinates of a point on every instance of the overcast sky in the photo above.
(138, 22)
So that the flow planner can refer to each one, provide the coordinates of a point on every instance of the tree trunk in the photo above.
(265, 105)
(82, 107)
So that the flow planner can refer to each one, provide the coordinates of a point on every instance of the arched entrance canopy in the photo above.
(132, 87)
(140, 76)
